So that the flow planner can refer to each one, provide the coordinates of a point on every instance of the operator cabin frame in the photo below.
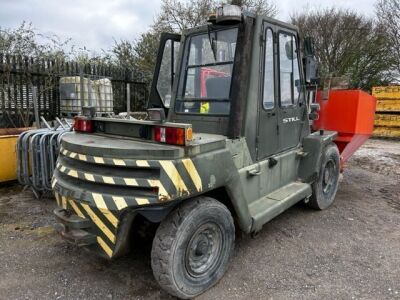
(268, 129)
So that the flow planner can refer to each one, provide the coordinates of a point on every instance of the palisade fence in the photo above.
(20, 75)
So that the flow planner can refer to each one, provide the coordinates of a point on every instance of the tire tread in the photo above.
(163, 242)
(315, 197)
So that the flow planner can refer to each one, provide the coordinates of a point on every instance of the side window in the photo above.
(269, 87)
(289, 76)
(167, 71)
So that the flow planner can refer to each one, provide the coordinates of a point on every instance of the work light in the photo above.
(229, 14)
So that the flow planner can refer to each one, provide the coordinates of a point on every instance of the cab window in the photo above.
(269, 87)
(167, 71)
(289, 77)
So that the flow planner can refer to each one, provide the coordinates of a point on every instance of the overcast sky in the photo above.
(94, 23)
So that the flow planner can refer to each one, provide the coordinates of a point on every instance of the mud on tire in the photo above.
(192, 247)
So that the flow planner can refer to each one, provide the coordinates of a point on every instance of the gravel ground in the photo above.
(350, 251)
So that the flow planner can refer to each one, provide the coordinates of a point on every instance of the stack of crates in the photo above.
(387, 117)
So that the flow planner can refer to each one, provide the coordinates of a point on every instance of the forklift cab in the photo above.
(237, 78)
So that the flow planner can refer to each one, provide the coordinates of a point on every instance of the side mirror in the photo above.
(309, 46)
(310, 69)
(309, 61)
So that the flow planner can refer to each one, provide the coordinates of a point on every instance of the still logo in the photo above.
(290, 120)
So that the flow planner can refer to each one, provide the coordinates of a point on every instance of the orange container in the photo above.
(350, 113)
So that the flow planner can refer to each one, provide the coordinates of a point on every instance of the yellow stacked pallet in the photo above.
(387, 117)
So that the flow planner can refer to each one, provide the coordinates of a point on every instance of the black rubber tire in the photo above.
(323, 195)
(170, 251)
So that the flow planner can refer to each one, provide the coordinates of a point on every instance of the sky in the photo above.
(96, 23)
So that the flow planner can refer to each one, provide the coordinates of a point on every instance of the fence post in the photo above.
(35, 106)
(128, 99)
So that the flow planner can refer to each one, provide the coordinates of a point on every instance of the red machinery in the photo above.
(205, 73)
(350, 113)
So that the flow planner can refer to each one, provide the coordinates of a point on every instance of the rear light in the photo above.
(172, 135)
(83, 125)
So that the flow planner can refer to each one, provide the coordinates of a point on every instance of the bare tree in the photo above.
(175, 16)
(23, 41)
(347, 44)
(388, 13)
(20, 52)
(138, 55)
(262, 7)
(178, 15)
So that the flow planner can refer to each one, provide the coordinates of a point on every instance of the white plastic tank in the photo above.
(96, 93)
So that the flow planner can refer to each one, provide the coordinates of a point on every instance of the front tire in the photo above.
(192, 247)
(325, 187)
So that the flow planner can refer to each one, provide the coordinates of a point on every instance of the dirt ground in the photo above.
(350, 251)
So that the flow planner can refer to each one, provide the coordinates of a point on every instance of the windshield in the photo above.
(207, 75)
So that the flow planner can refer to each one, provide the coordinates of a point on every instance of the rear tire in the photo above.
(192, 247)
(325, 187)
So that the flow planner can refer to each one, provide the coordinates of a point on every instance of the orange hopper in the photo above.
(350, 113)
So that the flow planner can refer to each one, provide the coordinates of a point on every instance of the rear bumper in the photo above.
(108, 191)
(98, 195)
(105, 232)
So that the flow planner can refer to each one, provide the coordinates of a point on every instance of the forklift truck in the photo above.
(228, 145)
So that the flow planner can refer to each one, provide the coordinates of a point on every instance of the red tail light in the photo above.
(83, 125)
(172, 135)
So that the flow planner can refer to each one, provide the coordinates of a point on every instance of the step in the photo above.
(268, 207)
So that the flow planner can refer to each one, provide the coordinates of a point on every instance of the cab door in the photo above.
(291, 90)
(267, 135)
(164, 72)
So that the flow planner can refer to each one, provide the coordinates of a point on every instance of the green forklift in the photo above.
(227, 146)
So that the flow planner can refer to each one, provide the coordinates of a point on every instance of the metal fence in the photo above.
(19, 75)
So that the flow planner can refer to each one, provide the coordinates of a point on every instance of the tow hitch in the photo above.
(72, 228)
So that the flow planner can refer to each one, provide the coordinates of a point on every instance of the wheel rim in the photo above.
(328, 179)
(203, 251)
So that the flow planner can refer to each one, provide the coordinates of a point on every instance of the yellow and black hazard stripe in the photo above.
(179, 178)
(163, 194)
(106, 223)
(108, 161)
(105, 201)
(182, 176)
(114, 180)
(175, 179)
(170, 167)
